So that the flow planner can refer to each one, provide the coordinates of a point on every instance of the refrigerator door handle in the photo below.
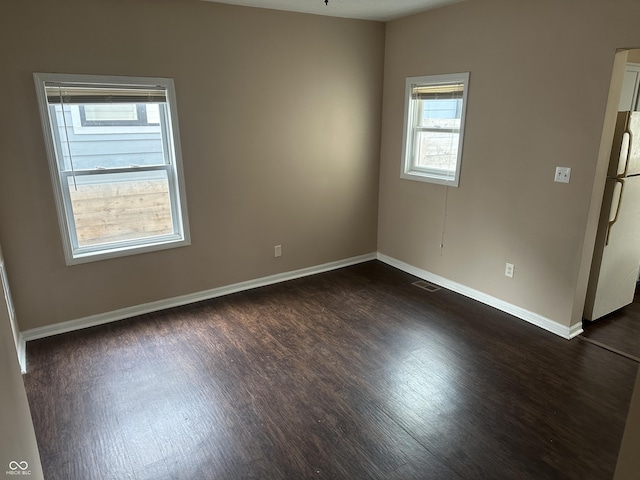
(628, 152)
(615, 217)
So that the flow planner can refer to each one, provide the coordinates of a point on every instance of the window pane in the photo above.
(117, 207)
(436, 150)
(441, 113)
(104, 148)
(111, 112)
(153, 113)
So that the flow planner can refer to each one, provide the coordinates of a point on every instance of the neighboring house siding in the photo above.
(107, 150)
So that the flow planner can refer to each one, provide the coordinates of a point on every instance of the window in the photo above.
(119, 114)
(433, 130)
(115, 161)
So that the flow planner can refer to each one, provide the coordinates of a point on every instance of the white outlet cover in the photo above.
(509, 270)
(563, 174)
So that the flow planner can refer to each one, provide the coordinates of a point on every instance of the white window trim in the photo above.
(91, 254)
(408, 171)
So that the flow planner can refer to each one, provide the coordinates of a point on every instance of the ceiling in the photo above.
(380, 10)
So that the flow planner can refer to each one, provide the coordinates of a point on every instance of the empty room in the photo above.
(304, 239)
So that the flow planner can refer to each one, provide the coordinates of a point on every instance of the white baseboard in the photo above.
(22, 353)
(121, 314)
(128, 312)
(531, 317)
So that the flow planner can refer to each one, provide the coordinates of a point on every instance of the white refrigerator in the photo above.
(616, 261)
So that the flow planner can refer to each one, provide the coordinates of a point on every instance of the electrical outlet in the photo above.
(277, 251)
(509, 269)
(563, 174)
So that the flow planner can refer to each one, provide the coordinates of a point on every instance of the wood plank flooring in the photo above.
(350, 374)
(618, 331)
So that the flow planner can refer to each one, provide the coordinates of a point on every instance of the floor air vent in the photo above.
(429, 287)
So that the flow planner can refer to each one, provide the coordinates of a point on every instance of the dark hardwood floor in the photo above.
(619, 331)
(350, 374)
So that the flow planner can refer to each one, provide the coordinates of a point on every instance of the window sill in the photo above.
(430, 178)
(86, 255)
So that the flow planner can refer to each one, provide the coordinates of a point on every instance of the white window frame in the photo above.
(180, 236)
(409, 170)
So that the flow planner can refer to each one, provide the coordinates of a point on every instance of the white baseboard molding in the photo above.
(531, 317)
(22, 353)
(128, 312)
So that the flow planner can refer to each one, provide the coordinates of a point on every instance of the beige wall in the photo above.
(540, 75)
(17, 440)
(307, 89)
